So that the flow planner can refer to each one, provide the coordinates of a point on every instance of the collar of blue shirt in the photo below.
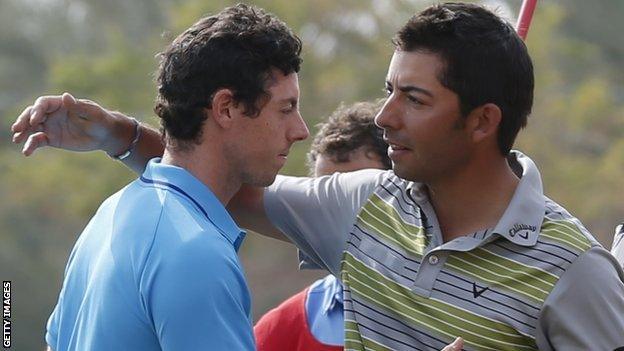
(332, 297)
(183, 183)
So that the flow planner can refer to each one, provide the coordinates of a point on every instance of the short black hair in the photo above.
(485, 61)
(347, 129)
(235, 49)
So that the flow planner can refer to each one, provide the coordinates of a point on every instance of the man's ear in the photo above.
(483, 122)
(224, 108)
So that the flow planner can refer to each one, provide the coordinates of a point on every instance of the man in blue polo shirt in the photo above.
(156, 268)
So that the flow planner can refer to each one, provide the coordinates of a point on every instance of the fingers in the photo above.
(58, 115)
(34, 115)
(68, 100)
(19, 137)
(43, 106)
(455, 346)
(35, 141)
(21, 125)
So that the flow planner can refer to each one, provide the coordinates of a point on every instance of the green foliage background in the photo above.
(104, 50)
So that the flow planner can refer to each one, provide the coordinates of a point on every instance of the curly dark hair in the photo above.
(235, 49)
(485, 61)
(349, 128)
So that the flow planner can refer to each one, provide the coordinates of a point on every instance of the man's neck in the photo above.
(474, 199)
(209, 167)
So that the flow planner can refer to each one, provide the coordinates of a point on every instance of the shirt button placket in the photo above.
(433, 260)
(428, 273)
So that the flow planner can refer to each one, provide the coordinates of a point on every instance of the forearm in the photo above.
(247, 209)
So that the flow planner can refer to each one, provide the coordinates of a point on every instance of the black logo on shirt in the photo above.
(522, 230)
(477, 291)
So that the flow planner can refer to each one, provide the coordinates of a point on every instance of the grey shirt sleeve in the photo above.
(306, 262)
(317, 213)
(585, 310)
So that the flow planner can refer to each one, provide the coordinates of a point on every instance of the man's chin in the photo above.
(262, 180)
(268, 182)
(407, 174)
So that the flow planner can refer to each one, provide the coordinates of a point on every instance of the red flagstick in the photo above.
(524, 20)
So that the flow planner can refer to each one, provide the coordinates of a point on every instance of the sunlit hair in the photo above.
(235, 49)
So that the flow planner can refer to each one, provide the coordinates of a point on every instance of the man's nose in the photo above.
(299, 130)
(386, 117)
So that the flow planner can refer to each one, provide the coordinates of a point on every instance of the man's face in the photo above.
(421, 120)
(263, 142)
(360, 158)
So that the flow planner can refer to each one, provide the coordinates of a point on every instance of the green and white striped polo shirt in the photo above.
(537, 280)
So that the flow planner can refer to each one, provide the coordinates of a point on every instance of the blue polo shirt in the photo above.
(156, 268)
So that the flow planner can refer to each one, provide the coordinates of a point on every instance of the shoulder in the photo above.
(593, 270)
(562, 239)
(586, 309)
(560, 245)
(187, 244)
(184, 239)
(588, 266)
(563, 228)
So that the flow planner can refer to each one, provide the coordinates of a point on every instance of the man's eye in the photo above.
(414, 100)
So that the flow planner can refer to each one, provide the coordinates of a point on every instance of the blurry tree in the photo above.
(576, 128)
(599, 23)
(101, 50)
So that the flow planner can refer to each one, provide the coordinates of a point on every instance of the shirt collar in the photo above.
(333, 294)
(522, 220)
(183, 183)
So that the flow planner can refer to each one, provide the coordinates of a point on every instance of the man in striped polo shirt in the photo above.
(459, 239)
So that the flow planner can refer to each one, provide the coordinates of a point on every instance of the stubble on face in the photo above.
(422, 119)
(263, 142)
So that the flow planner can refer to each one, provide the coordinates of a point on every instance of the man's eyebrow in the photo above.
(412, 88)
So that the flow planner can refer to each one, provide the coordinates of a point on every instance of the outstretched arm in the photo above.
(247, 209)
(67, 123)
(63, 122)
